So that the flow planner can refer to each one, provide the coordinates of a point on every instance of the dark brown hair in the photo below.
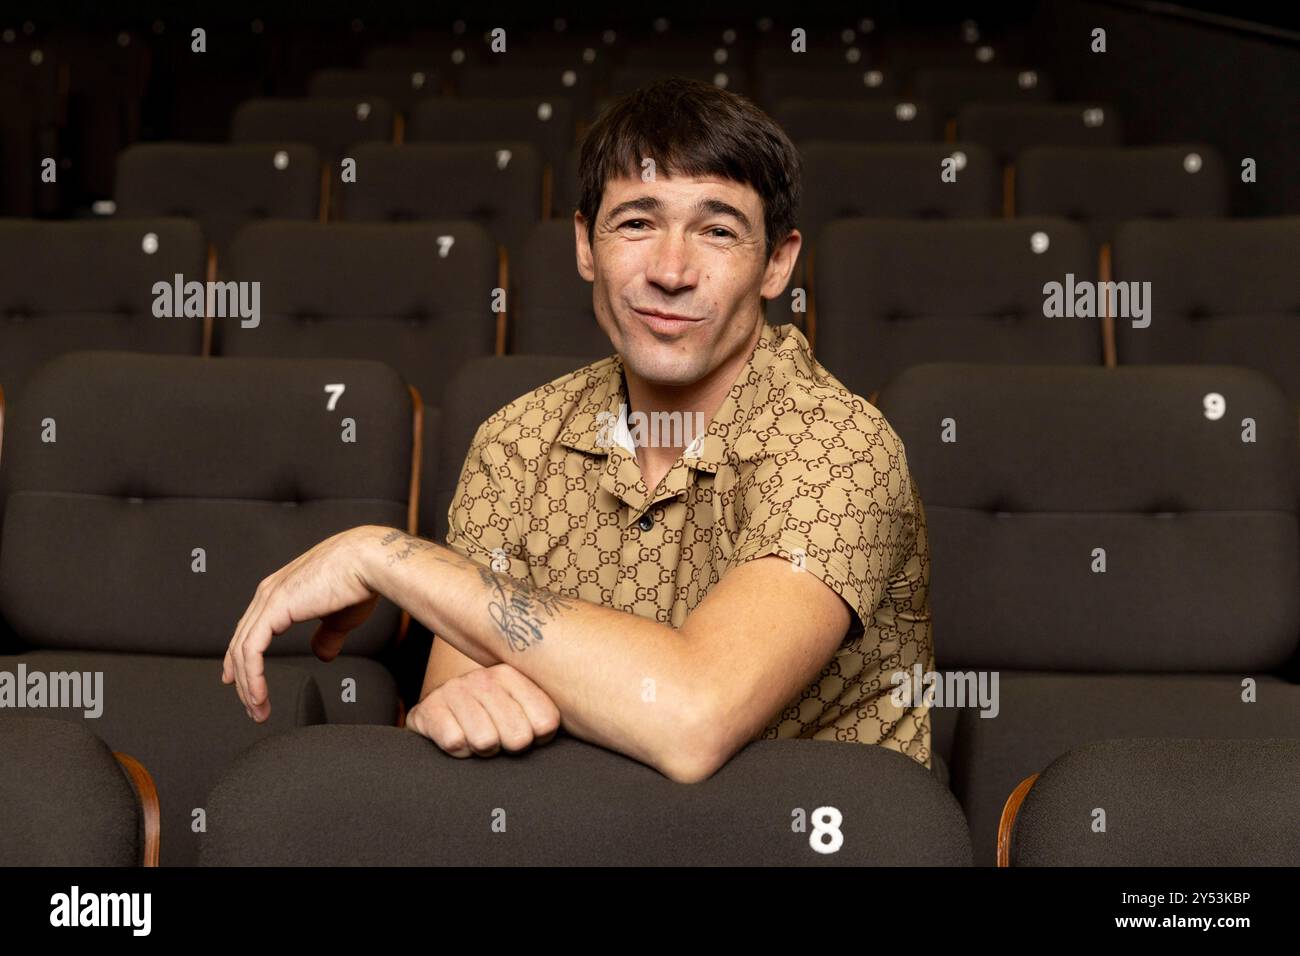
(696, 129)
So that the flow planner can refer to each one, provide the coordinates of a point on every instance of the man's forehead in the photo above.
(683, 189)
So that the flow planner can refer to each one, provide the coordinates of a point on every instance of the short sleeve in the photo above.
(838, 506)
(480, 520)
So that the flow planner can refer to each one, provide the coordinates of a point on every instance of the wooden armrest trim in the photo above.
(1008, 821)
(147, 794)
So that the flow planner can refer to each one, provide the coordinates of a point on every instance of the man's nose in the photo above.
(672, 263)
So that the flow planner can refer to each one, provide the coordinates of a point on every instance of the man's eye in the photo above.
(725, 232)
(633, 222)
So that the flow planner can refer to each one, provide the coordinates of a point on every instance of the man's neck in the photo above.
(698, 401)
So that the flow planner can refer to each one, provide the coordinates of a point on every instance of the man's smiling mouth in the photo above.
(666, 322)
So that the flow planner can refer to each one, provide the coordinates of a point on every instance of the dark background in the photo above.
(1223, 73)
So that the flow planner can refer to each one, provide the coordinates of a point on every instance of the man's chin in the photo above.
(662, 364)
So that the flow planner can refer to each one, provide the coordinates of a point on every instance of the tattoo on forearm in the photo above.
(406, 545)
(517, 607)
(520, 609)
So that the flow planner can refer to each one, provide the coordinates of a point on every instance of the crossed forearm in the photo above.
(619, 680)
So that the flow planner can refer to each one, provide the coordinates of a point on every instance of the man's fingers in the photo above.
(274, 619)
(514, 727)
(236, 651)
(350, 618)
(538, 708)
(479, 713)
(327, 642)
(263, 593)
(260, 622)
(434, 719)
(264, 588)
(480, 730)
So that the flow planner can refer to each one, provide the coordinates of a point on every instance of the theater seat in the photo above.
(1007, 129)
(222, 186)
(497, 185)
(67, 800)
(1032, 477)
(67, 286)
(897, 181)
(403, 87)
(330, 125)
(1223, 292)
(1102, 187)
(893, 181)
(553, 313)
(842, 81)
(546, 122)
(951, 88)
(894, 293)
(416, 296)
(626, 79)
(565, 189)
(175, 716)
(884, 121)
(424, 48)
(135, 541)
(574, 81)
(1173, 802)
(373, 796)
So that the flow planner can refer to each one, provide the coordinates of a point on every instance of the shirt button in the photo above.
(646, 522)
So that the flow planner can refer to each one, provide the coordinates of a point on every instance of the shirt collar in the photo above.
(599, 419)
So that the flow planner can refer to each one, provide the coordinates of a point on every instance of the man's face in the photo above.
(679, 268)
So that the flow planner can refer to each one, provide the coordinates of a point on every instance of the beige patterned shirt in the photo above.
(792, 464)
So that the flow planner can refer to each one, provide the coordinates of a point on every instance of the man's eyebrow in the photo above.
(640, 204)
(716, 207)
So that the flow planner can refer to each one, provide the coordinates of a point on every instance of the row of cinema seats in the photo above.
(1120, 546)
(1175, 801)
(501, 184)
(885, 295)
(981, 104)
(498, 185)
(863, 159)
(407, 74)
(83, 96)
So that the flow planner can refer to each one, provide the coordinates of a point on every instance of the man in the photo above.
(671, 601)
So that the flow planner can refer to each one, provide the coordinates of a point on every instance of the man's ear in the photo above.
(586, 263)
(781, 264)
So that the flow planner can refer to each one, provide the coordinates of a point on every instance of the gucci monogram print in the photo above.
(792, 464)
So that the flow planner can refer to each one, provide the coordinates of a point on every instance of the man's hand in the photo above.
(325, 582)
(485, 710)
